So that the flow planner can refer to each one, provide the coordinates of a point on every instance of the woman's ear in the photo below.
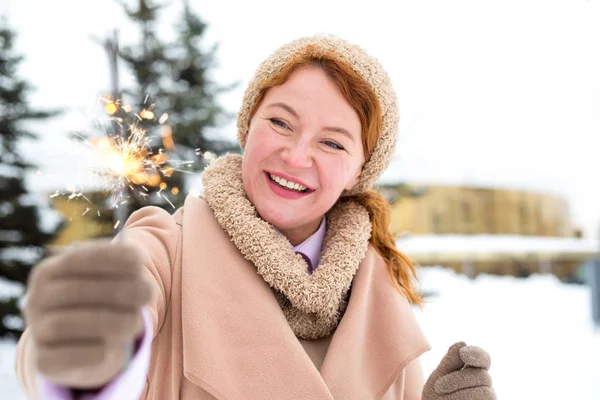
(354, 180)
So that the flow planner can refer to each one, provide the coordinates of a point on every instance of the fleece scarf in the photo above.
(312, 303)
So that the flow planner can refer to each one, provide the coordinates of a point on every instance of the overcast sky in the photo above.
(496, 93)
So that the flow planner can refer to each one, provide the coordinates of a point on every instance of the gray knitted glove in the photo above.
(461, 375)
(83, 309)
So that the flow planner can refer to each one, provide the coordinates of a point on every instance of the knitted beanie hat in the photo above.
(365, 66)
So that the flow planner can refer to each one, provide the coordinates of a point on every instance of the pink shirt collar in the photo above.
(311, 247)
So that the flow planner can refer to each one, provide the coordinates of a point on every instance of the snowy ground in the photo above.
(538, 331)
(8, 383)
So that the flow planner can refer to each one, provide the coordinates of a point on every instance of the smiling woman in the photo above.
(282, 282)
(304, 132)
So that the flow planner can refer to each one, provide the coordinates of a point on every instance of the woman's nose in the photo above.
(297, 154)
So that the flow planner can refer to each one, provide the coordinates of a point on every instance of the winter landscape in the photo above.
(495, 94)
(538, 331)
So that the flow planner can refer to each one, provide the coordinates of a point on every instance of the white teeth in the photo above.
(289, 185)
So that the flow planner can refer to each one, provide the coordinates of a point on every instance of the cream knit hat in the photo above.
(364, 65)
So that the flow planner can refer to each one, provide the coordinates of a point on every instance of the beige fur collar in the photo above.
(313, 304)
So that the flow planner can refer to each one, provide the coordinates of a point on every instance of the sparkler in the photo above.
(129, 162)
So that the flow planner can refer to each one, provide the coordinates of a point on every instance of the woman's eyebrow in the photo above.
(340, 130)
(285, 107)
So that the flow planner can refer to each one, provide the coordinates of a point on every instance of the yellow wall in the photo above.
(467, 210)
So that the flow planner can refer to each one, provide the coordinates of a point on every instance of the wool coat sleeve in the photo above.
(414, 381)
(159, 233)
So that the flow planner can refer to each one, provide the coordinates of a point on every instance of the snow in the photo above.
(495, 244)
(6, 208)
(194, 183)
(9, 171)
(538, 331)
(8, 381)
(9, 289)
(27, 255)
(49, 219)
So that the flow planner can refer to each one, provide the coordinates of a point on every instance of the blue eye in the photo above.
(279, 123)
(333, 145)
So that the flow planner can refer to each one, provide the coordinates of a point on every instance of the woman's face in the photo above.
(305, 135)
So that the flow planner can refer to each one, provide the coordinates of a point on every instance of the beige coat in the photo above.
(220, 332)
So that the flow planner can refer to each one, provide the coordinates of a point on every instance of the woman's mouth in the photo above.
(292, 186)
(285, 188)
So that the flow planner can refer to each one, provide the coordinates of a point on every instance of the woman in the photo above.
(281, 282)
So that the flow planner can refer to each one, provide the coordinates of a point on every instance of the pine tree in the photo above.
(175, 78)
(26, 225)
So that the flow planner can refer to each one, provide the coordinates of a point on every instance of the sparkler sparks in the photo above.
(132, 161)
(129, 163)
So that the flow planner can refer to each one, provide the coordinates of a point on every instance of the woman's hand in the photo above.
(461, 375)
(84, 310)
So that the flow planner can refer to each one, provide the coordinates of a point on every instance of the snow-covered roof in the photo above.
(496, 245)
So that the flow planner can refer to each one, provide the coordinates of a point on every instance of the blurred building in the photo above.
(486, 230)
(474, 210)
